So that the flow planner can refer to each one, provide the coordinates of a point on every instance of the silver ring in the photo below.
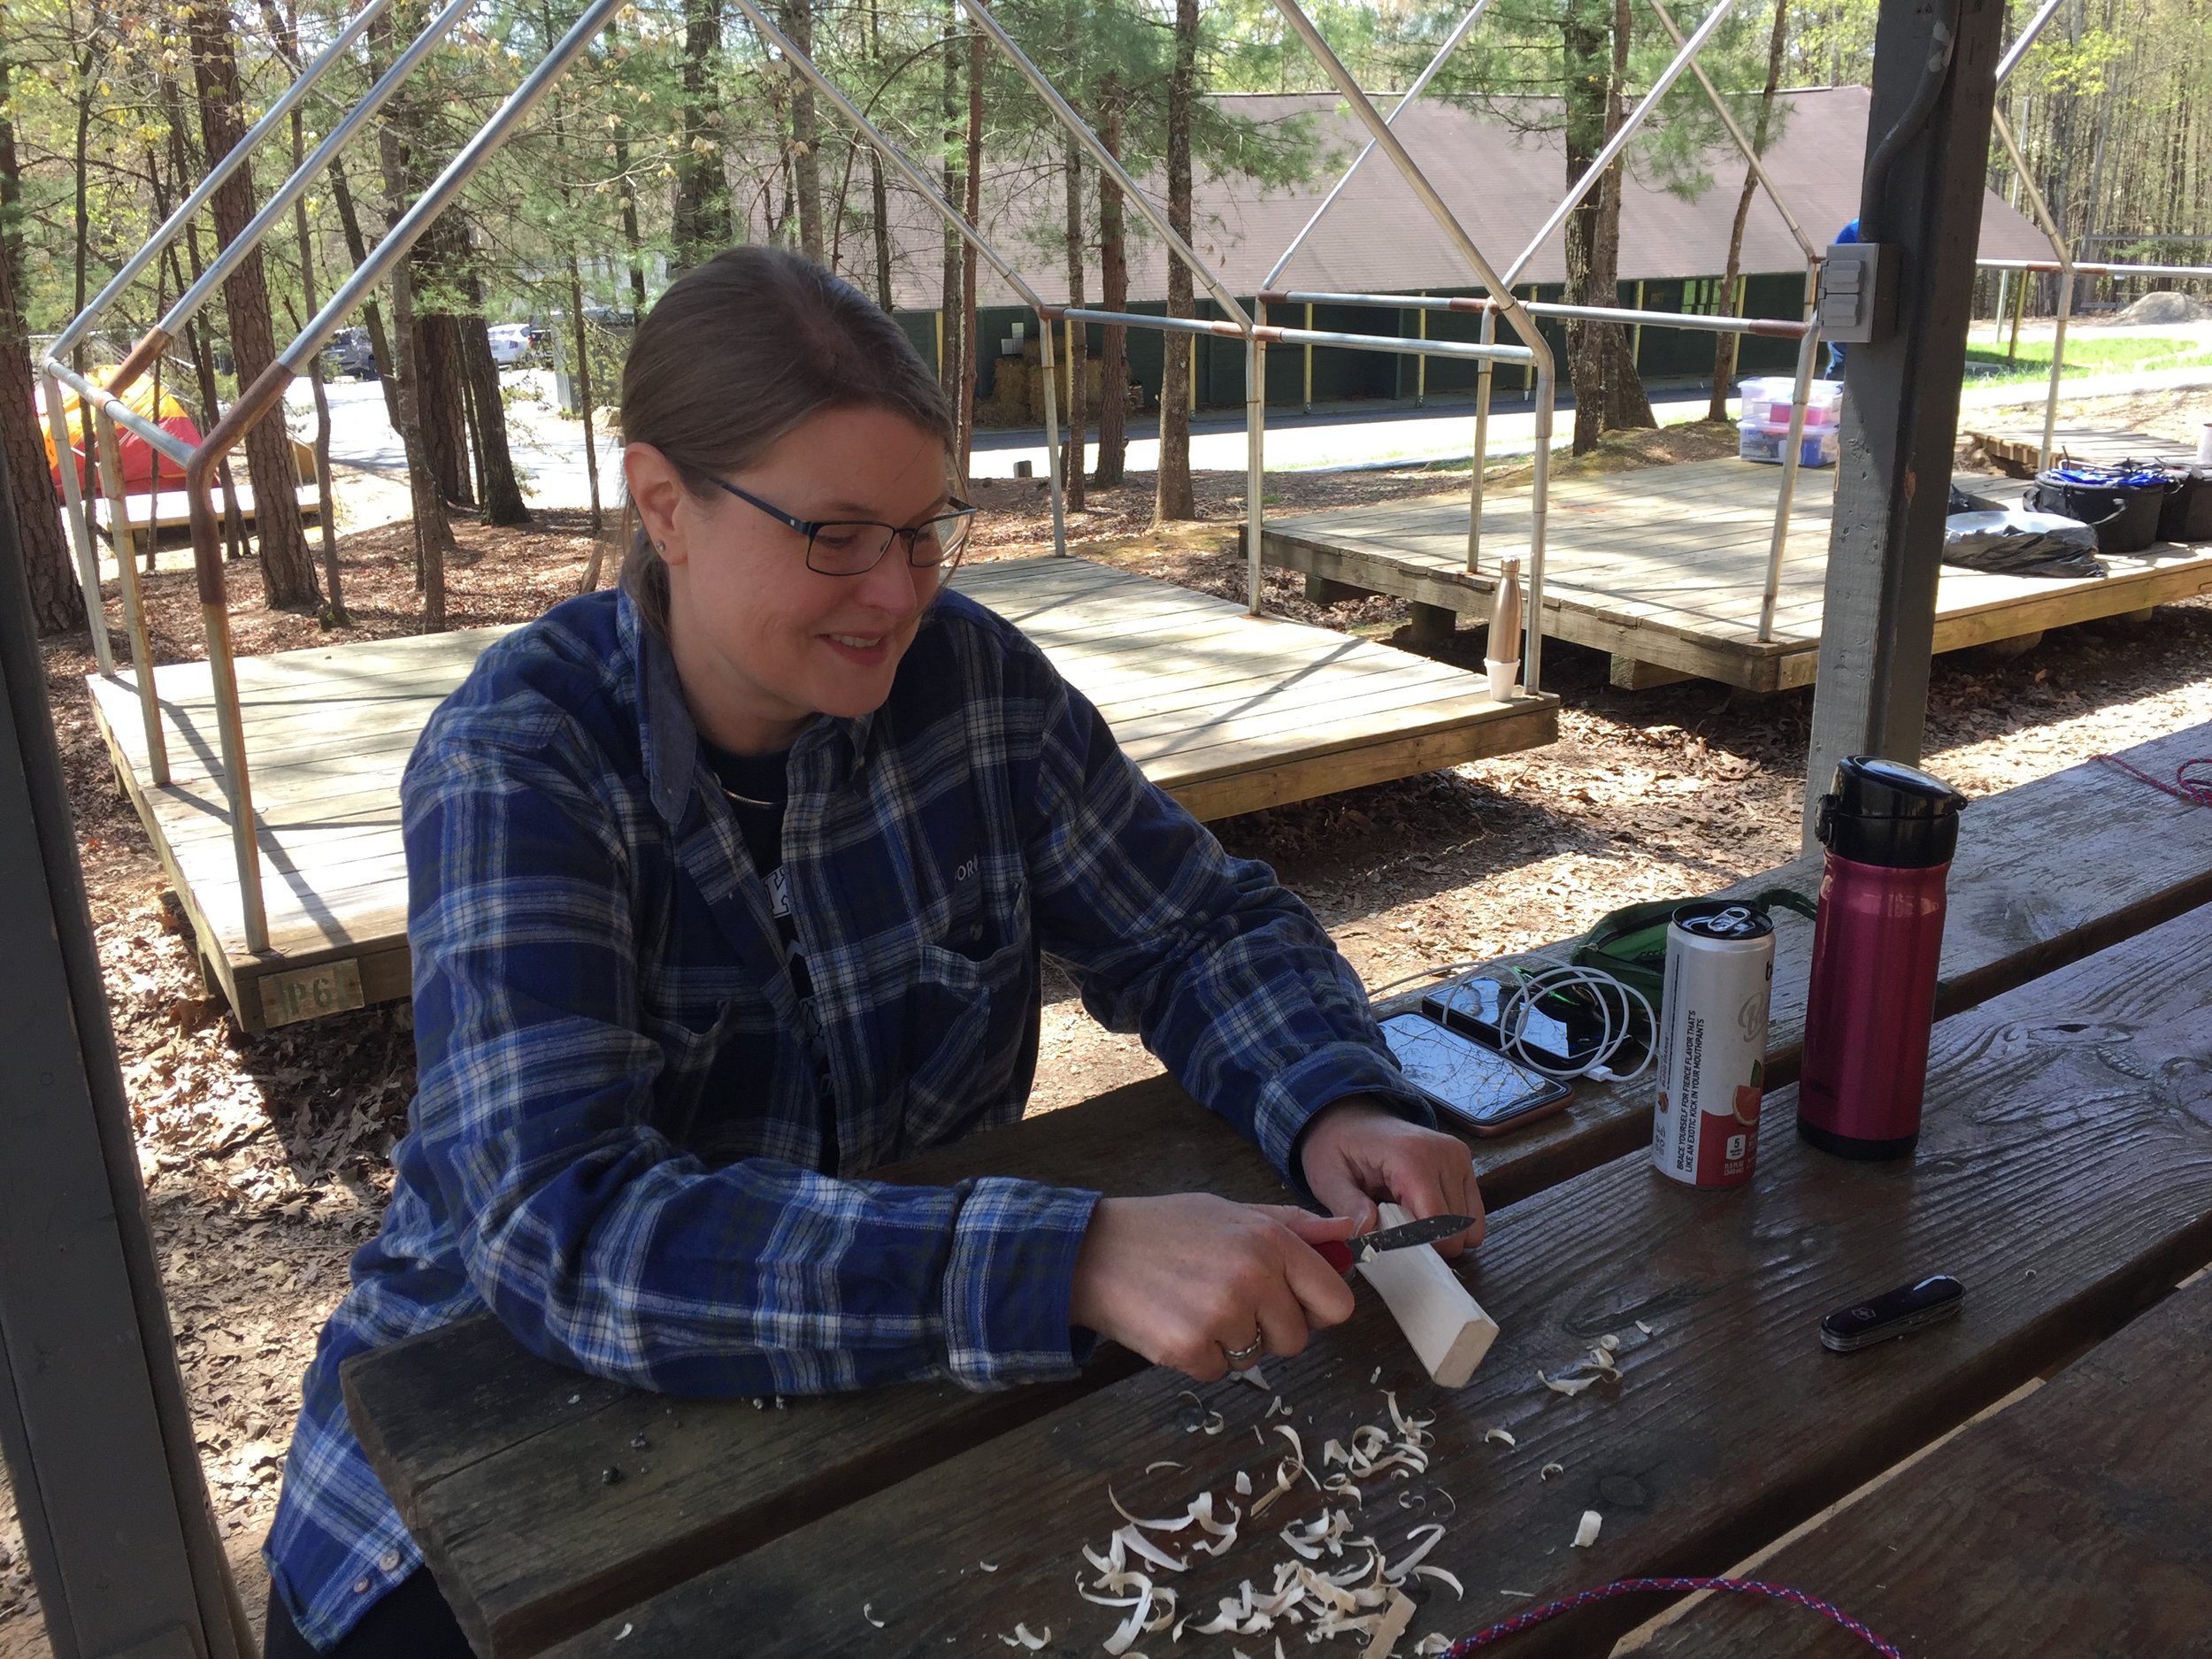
(1240, 1357)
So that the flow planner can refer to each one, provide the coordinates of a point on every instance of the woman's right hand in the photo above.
(1186, 1278)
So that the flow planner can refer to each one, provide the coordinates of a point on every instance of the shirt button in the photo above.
(360, 1587)
(389, 1561)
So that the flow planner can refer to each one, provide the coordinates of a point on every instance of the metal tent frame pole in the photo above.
(1524, 324)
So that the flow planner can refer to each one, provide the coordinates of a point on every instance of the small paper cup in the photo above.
(1501, 678)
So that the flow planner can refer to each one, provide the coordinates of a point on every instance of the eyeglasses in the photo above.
(846, 547)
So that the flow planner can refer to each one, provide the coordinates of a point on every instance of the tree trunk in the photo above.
(1113, 287)
(1593, 255)
(1724, 345)
(440, 408)
(1175, 498)
(879, 201)
(1078, 332)
(57, 601)
(583, 394)
(978, 60)
(1625, 405)
(372, 313)
(502, 495)
(632, 239)
(196, 341)
(88, 83)
(287, 572)
(433, 535)
(949, 352)
(796, 18)
(701, 226)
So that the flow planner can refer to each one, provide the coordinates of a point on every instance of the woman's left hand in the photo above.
(1357, 1152)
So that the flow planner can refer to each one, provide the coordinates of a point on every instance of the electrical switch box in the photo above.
(1858, 292)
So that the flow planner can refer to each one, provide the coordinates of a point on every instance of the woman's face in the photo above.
(763, 643)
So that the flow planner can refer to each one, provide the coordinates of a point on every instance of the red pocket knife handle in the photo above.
(1336, 1254)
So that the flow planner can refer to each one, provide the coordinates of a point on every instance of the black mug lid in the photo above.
(1883, 812)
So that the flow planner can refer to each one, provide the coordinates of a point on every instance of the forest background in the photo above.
(679, 134)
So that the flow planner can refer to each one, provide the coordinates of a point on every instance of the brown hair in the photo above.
(738, 353)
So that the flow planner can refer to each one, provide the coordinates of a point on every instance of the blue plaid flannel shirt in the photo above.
(591, 946)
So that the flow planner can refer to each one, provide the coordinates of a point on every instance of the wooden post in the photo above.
(937, 319)
(1902, 399)
(94, 1426)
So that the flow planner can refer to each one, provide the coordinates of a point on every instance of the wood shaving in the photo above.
(1501, 1436)
(1021, 1638)
(1646, 1329)
(1586, 1532)
(1549, 1470)
(1444, 1575)
(987, 1566)
(868, 1612)
(1610, 1342)
(1568, 1386)
(1252, 1374)
(1436, 1644)
(1243, 1484)
(1164, 1462)
(1397, 1614)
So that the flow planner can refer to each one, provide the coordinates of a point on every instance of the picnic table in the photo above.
(2065, 1174)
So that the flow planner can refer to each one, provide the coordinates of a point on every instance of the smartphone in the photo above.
(1564, 1029)
(1478, 1088)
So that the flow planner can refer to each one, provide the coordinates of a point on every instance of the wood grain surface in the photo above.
(2077, 1522)
(2062, 1174)
(473, 1436)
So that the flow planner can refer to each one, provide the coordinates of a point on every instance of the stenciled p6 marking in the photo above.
(1713, 1043)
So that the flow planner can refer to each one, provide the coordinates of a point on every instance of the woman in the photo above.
(732, 884)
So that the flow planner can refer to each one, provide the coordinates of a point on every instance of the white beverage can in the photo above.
(1713, 1043)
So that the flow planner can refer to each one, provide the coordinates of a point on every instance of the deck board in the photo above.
(2016, 449)
(1227, 711)
(1665, 565)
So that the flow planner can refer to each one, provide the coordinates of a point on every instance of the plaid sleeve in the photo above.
(598, 1241)
(1230, 979)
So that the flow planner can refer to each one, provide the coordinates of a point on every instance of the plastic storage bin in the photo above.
(1767, 399)
(1765, 441)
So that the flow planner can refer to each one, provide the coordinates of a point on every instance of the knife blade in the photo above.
(1345, 1254)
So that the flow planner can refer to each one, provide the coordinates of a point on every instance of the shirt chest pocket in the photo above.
(970, 1038)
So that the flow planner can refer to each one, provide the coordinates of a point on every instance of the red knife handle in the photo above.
(1336, 1254)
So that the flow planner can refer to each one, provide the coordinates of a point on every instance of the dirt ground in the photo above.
(265, 1157)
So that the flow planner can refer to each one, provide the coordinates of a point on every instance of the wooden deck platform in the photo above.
(2013, 448)
(1662, 569)
(1226, 712)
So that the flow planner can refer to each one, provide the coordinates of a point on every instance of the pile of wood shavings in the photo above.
(1360, 1597)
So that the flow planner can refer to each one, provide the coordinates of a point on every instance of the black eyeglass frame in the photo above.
(811, 527)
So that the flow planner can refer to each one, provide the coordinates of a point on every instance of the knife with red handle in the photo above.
(1344, 1255)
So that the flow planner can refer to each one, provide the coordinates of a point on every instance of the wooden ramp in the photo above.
(2015, 449)
(1228, 713)
(1662, 568)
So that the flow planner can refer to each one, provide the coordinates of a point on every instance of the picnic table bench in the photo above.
(2063, 1174)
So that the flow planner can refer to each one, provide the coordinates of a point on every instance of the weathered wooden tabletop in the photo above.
(495, 1458)
(2077, 1522)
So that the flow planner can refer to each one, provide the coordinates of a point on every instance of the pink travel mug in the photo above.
(1889, 831)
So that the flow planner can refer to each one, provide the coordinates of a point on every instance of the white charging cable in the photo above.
(1617, 1004)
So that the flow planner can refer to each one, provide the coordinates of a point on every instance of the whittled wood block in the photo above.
(1446, 1327)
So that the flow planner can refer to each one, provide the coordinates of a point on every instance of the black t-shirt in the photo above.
(758, 792)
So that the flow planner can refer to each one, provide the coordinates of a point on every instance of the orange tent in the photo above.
(139, 458)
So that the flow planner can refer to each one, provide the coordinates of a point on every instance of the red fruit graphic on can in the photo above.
(1712, 1042)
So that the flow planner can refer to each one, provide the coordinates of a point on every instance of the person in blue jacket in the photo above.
(732, 884)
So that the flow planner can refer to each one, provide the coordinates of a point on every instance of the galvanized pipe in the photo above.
(1254, 454)
(1400, 345)
(1405, 101)
(2019, 48)
(1776, 328)
(190, 302)
(1079, 130)
(1483, 379)
(1614, 145)
(109, 459)
(78, 511)
(2047, 222)
(2086, 267)
(1788, 494)
(275, 117)
(1052, 438)
(403, 235)
(1538, 352)
(1758, 168)
(92, 395)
